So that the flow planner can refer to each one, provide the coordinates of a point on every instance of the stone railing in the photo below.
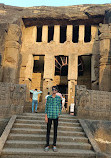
(12, 99)
(92, 103)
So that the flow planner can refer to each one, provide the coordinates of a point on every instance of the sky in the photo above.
(30, 3)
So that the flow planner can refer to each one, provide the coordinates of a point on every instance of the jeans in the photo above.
(34, 102)
(55, 121)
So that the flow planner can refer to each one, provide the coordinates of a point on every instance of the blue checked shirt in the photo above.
(53, 107)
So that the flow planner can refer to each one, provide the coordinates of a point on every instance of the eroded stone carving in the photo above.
(12, 98)
(97, 104)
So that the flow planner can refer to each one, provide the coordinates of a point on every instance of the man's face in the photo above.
(54, 90)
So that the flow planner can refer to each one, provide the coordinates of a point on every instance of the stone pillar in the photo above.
(105, 58)
(49, 66)
(57, 33)
(69, 33)
(1, 68)
(49, 69)
(81, 33)
(45, 33)
(95, 71)
(11, 54)
(94, 32)
(28, 74)
(95, 58)
(93, 77)
(72, 77)
(29, 67)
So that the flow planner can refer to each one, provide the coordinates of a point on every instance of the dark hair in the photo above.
(48, 93)
(55, 87)
(35, 89)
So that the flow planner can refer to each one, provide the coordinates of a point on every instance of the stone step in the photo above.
(38, 126)
(27, 138)
(39, 137)
(43, 118)
(43, 115)
(40, 153)
(41, 144)
(43, 131)
(76, 124)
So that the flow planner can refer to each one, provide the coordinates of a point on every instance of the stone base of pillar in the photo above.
(47, 87)
(71, 92)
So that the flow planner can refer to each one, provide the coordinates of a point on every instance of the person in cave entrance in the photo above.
(35, 99)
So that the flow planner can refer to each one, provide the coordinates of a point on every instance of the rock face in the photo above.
(108, 16)
(101, 131)
(9, 14)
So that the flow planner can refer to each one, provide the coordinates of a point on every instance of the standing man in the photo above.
(35, 99)
(52, 112)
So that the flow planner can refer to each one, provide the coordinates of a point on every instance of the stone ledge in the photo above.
(6, 132)
(99, 153)
(90, 136)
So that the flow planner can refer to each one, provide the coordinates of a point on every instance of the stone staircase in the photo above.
(28, 134)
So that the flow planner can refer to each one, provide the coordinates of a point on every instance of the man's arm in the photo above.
(46, 118)
(39, 91)
(60, 106)
(61, 96)
(31, 91)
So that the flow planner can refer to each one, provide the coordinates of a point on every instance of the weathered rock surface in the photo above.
(102, 133)
(10, 14)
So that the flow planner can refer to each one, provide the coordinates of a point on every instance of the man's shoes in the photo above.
(54, 149)
(46, 148)
(35, 111)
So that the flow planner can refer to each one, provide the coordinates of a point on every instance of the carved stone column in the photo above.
(72, 77)
(105, 58)
(57, 33)
(11, 57)
(45, 33)
(93, 77)
(95, 71)
(95, 58)
(28, 74)
(69, 33)
(81, 33)
(49, 68)
(1, 68)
